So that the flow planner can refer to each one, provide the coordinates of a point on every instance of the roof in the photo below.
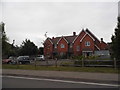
(88, 31)
(68, 38)
(72, 38)
(63, 38)
(55, 40)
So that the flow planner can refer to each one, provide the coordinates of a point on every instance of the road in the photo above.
(27, 82)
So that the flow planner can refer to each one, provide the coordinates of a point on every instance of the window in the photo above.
(87, 43)
(71, 45)
(78, 48)
(62, 46)
(55, 46)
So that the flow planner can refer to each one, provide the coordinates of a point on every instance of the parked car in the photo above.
(8, 61)
(23, 59)
(40, 57)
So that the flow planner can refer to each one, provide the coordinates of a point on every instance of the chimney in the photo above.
(74, 33)
(52, 37)
(101, 39)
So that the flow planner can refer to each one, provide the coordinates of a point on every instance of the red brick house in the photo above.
(86, 43)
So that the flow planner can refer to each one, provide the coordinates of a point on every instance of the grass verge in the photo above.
(61, 68)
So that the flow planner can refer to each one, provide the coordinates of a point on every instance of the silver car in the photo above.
(40, 57)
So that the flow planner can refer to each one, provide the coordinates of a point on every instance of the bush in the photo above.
(78, 57)
(66, 63)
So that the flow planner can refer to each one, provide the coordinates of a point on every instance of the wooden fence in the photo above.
(79, 63)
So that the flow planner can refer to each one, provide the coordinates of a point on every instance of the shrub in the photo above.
(78, 57)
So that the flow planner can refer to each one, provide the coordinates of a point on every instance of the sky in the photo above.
(32, 19)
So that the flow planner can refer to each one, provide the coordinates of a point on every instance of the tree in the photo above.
(116, 42)
(28, 48)
(40, 51)
(5, 45)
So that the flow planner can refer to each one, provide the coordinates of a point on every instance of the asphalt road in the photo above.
(26, 82)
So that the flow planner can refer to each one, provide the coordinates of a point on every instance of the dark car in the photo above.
(23, 60)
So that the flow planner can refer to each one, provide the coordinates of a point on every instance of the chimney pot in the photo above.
(52, 37)
(74, 33)
(101, 39)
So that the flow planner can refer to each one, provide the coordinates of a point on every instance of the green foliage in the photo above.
(66, 63)
(41, 51)
(28, 48)
(89, 58)
(78, 57)
(61, 68)
(7, 48)
(5, 44)
(92, 57)
(116, 41)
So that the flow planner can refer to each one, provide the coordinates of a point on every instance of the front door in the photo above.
(87, 54)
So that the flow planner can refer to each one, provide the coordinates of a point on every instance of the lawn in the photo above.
(62, 68)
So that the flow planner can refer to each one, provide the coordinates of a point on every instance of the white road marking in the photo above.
(65, 81)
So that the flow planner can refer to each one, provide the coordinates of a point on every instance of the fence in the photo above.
(78, 63)
(96, 63)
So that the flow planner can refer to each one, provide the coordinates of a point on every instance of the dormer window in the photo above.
(62, 46)
(87, 43)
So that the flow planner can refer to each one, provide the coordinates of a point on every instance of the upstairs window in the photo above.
(62, 46)
(87, 43)
(55, 46)
(71, 45)
(77, 48)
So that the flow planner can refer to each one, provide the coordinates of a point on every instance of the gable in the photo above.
(48, 40)
(61, 39)
(81, 34)
(91, 34)
(87, 34)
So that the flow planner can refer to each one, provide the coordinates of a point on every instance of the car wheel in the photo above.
(8, 62)
(20, 62)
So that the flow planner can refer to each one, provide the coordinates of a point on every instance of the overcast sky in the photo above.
(32, 19)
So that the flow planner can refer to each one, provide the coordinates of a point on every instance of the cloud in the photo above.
(32, 20)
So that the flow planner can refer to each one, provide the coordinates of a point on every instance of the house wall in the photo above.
(103, 46)
(77, 43)
(88, 38)
(48, 48)
(62, 41)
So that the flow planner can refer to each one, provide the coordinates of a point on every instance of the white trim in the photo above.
(63, 81)
(87, 43)
(85, 35)
(93, 35)
(78, 36)
(62, 45)
(97, 47)
(61, 38)
(50, 40)
(82, 37)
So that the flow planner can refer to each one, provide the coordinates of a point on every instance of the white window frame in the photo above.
(87, 43)
(62, 45)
